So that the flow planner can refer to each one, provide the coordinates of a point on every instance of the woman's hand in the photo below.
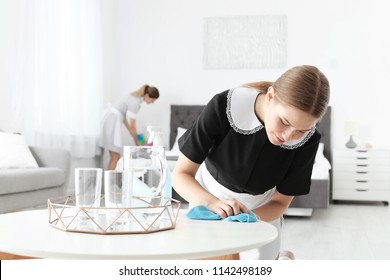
(227, 207)
(132, 128)
(183, 181)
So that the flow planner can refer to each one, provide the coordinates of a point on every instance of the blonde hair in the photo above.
(303, 87)
(146, 89)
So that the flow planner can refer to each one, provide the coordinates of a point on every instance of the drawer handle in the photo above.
(361, 190)
(361, 172)
(362, 157)
(361, 181)
(362, 165)
(361, 151)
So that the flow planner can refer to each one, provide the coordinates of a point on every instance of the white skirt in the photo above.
(111, 130)
(208, 182)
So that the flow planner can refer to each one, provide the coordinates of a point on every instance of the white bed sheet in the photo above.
(320, 172)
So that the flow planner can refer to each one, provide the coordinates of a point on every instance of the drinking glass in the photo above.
(88, 185)
(117, 198)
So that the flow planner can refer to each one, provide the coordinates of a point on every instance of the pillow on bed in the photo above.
(180, 132)
(320, 148)
(321, 159)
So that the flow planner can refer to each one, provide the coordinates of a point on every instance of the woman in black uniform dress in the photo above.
(253, 148)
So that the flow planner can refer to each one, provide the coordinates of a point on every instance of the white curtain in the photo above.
(58, 92)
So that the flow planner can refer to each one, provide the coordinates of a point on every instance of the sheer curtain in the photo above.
(58, 92)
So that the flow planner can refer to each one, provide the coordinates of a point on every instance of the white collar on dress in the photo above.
(297, 143)
(244, 120)
(241, 118)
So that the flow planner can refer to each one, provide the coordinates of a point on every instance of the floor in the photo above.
(344, 231)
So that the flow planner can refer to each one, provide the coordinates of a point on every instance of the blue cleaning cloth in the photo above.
(202, 213)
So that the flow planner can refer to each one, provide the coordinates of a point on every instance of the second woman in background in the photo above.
(123, 112)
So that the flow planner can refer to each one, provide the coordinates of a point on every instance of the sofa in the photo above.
(22, 188)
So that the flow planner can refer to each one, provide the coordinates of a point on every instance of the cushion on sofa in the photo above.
(29, 179)
(14, 152)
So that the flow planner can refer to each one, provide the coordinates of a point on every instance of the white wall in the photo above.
(160, 43)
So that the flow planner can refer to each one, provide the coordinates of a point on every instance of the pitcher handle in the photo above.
(163, 173)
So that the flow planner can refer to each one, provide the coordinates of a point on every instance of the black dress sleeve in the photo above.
(211, 125)
(298, 178)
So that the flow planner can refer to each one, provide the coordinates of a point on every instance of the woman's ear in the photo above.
(270, 94)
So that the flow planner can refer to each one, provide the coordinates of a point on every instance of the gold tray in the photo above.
(143, 218)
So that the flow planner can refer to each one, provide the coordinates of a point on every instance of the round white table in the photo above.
(28, 233)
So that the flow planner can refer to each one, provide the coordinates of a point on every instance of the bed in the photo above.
(183, 116)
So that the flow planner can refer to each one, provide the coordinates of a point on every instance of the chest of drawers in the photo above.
(361, 175)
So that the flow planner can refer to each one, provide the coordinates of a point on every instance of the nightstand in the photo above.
(361, 175)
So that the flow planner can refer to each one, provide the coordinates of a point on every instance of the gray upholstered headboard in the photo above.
(324, 127)
(185, 115)
(182, 116)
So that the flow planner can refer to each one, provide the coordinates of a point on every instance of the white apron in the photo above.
(111, 130)
(267, 252)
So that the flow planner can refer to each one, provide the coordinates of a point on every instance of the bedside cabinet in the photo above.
(361, 175)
